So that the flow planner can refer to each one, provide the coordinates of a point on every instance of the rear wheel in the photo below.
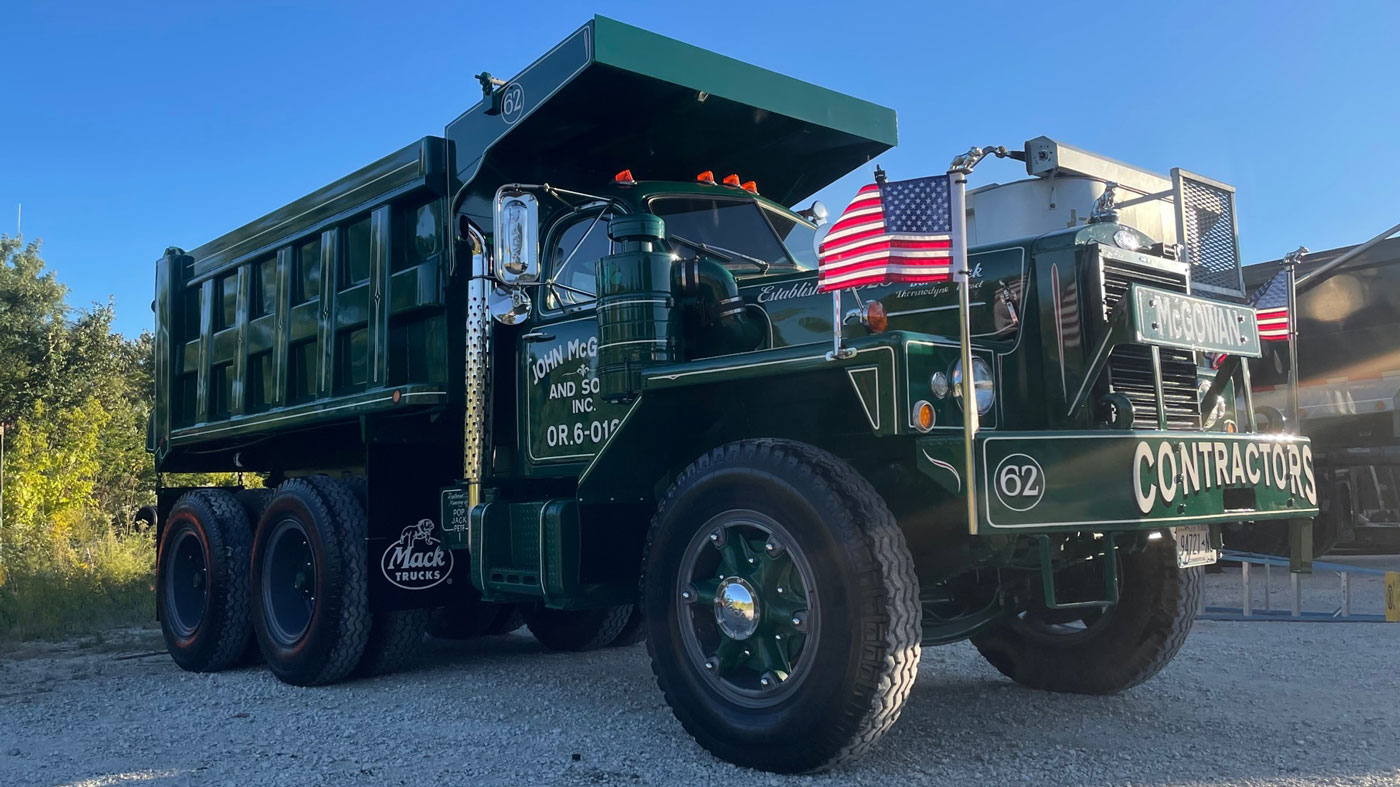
(310, 607)
(781, 606)
(394, 637)
(577, 629)
(635, 631)
(203, 571)
(1094, 650)
(394, 634)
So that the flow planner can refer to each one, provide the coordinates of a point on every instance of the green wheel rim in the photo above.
(747, 606)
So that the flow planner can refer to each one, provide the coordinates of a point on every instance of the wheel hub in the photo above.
(736, 608)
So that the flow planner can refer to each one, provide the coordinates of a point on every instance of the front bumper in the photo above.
(1125, 480)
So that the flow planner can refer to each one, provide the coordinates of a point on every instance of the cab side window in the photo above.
(573, 250)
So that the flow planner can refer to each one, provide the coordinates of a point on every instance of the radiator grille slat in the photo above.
(1129, 369)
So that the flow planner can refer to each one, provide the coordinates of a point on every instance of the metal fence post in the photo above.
(1297, 595)
(1268, 587)
(1346, 595)
(1247, 607)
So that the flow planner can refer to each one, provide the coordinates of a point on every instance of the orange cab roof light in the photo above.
(708, 176)
(750, 187)
(624, 177)
(731, 180)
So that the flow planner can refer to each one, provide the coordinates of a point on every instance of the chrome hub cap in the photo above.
(748, 610)
(736, 608)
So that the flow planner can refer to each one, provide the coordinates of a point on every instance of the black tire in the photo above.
(394, 635)
(203, 570)
(510, 618)
(859, 652)
(634, 632)
(317, 523)
(1110, 651)
(576, 629)
(254, 502)
(394, 638)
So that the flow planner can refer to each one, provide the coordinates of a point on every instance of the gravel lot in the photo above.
(1244, 703)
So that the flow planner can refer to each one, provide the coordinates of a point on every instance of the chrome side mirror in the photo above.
(508, 305)
(816, 214)
(516, 241)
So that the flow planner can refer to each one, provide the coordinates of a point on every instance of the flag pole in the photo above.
(1290, 264)
(957, 190)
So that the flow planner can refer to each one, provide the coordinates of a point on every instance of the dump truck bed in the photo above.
(327, 307)
(344, 303)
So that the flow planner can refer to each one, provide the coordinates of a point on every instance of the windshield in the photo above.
(738, 229)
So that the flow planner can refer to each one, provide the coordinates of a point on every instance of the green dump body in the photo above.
(347, 303)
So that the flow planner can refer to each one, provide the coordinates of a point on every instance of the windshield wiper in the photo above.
(725, 255)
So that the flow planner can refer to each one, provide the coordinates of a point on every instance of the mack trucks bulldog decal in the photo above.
(417, 560)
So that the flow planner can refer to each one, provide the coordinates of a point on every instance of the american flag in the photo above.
(900, 231)
(1270, 304)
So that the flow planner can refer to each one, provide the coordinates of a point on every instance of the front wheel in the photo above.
(781, 606)
(1102, 651)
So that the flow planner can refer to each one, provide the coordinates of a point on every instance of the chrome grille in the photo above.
(1130, 373)
(1207, 226)
(1115, 277)
(1129, 369)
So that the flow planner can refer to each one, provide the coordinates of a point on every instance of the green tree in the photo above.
(32, 311)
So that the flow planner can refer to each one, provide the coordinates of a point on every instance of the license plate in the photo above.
(1193, 546)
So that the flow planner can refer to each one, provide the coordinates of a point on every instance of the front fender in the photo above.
(793, 392)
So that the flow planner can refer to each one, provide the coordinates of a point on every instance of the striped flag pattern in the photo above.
(898, 231)
(1270, 304)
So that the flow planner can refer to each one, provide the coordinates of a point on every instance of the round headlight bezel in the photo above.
(982, 382)
(938, 385)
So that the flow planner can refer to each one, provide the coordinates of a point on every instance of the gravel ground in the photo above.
(1244, 703)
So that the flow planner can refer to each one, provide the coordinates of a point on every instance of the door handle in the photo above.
(536, 336)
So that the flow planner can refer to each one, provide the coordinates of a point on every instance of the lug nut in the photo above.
(773, 548)
(710, 664)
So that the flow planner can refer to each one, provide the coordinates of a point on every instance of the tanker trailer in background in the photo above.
(1349, 389)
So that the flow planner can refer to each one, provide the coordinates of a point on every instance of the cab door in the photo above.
(565, 421)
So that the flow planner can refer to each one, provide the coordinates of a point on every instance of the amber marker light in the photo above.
(873, 315)
(750, 187)
(708, 176)
(731, 180)
(923, 416)
(1230, 427)
(625, 177)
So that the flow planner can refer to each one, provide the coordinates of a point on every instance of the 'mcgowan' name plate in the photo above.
(1170, 319)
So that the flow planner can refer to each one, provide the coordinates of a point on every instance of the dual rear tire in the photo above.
(296, 585)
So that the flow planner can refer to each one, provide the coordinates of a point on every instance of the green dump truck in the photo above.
(566, 366)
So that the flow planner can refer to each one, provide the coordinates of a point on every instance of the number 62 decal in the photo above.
(1019, 482)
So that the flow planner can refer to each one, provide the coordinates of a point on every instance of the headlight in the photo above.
(981, 383)
(938, 384)
(1127, 239)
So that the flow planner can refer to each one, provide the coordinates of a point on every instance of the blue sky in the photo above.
(128, 127)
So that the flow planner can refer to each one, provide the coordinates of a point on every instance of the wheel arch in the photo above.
(668, 428)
